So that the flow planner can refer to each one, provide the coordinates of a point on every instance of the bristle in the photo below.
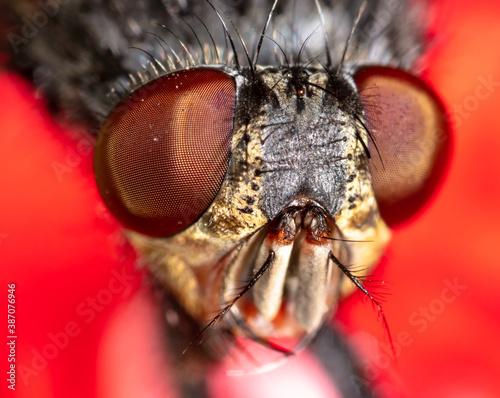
(86, 49)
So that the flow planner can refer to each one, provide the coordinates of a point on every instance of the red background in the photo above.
(61, 247)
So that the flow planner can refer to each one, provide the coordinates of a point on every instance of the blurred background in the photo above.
(87, 323)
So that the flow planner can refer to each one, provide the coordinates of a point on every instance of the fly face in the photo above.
(262, 180)
(297, 166)
(254, 193)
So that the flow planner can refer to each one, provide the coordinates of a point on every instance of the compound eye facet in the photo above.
(163, 152)
(411, 139)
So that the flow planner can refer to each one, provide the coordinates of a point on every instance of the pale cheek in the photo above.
(300, 376)
(132, 359)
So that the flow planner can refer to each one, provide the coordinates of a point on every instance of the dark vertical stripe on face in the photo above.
(304, 143)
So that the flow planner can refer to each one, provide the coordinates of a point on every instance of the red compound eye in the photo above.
(165, 149)
(409, 126)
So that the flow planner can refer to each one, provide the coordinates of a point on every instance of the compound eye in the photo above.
(411, 140)
(164, 151)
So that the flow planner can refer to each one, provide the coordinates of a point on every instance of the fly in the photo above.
(259, 186)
